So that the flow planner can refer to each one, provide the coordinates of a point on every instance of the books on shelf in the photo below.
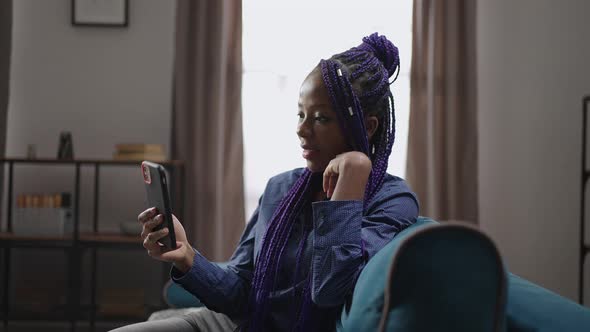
(139, 151)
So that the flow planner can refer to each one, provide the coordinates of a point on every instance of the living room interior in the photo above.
(113, 89)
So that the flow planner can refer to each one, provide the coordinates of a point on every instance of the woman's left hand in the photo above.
(346, 176)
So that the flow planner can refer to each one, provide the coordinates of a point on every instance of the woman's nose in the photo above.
(303, 128)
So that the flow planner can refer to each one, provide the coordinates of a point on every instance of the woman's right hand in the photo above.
(182, 257)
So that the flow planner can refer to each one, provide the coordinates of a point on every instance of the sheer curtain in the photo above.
(281, 48)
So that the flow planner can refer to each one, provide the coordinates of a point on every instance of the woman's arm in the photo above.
(346, 176)
(223, 289)
(343, 238)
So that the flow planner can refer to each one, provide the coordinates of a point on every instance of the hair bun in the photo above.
(384, 50)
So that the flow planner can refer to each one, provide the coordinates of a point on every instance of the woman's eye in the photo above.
(317, 118)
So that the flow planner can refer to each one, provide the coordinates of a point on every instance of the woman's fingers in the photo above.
(150, 219)
(327, 174)
(146, 215)
(330, 177)
(332, 184)
(150, 242)
(149, 225)
(173, 255)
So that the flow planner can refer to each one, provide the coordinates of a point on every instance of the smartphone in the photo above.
(156, 186)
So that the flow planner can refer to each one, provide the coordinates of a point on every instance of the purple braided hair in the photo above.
(274, 242)
(357, 82)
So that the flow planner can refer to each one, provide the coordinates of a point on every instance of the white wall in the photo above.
(533, 71)
(106, 86)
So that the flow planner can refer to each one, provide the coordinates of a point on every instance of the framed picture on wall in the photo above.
(106, 13)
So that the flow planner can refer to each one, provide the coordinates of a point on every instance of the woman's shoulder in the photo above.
(287, 176)
(282, 182)
(393, 180)
(395, 186)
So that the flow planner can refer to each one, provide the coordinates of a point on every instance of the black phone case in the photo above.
(157, 195)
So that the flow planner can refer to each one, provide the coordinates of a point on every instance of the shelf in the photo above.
(18, 237)
(50, 313)
(15, 240)
(86, 239)
(110, 239)
(75, 244)
(85, 161)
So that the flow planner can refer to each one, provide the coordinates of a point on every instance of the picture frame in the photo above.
(100, 13)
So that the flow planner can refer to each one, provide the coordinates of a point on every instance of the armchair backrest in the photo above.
(431, 277)
(448, 277)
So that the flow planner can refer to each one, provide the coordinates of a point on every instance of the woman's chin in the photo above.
(315, 167)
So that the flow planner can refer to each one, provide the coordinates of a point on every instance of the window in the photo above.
(282, 42)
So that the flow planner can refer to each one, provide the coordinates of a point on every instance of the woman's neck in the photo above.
(316, 187)
(319, 196)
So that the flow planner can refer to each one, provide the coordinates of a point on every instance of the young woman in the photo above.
(315, 227)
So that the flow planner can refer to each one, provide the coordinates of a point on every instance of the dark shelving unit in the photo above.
(76, 244)
(584, 248)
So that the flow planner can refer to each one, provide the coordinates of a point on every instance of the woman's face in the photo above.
(318, 128)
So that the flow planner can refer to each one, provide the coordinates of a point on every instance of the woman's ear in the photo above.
(371, 124)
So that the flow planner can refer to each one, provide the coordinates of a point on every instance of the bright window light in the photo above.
(282, 42)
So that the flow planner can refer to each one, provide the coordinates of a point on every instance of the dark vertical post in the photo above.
(10, 189)
(584, 178)
(94, 255)
(75, 255)
(93, 290)
(7, 271)
(96, 190)
(77, 205)
(6, 286)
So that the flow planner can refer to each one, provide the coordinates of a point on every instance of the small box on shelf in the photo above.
(43, 214)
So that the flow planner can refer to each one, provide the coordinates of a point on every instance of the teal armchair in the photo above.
(443, 277)
(431, 277)
(450, 277)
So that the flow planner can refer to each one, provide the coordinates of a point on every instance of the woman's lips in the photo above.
(308, 154)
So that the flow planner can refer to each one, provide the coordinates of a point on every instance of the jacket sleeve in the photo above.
(344, 240)
(223, 289)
